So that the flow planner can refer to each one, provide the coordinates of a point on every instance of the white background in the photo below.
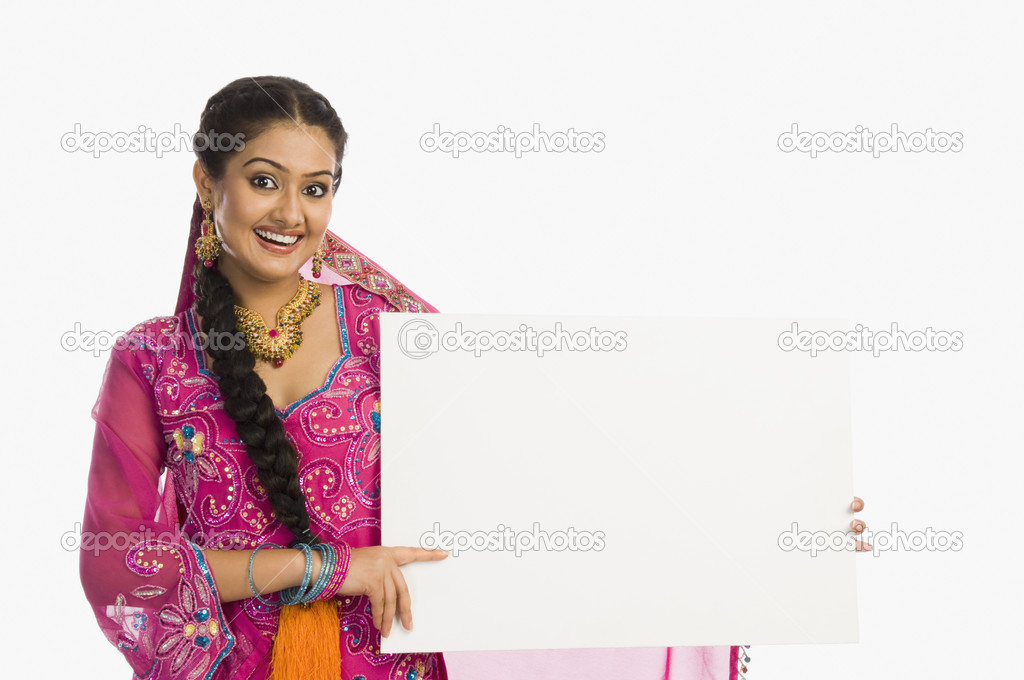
(690, 209)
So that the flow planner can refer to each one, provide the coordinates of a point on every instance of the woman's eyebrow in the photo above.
(284, 169)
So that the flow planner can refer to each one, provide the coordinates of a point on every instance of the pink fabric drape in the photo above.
(150, 587)
(143, 570)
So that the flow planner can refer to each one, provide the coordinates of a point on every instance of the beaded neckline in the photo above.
(200, 357)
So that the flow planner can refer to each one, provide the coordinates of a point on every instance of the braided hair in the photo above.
(249, 106)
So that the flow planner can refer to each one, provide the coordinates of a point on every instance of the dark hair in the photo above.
(249, 106)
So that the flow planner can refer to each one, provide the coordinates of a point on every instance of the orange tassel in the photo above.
(308, 642)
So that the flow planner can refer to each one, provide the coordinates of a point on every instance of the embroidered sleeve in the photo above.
(150, 588)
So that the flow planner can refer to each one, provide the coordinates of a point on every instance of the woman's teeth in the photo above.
(276, 238)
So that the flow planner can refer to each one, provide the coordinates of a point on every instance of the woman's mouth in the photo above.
(280, 239)
(278, 243)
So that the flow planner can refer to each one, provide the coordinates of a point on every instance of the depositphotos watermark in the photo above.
(418, 338)
(506, 140)
(814, 542)
(96, 542)
(506, 539)
(863, 339)
(146, 140)
(862, 140)
(99, 342)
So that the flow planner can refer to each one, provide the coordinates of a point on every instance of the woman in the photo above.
(269, 435)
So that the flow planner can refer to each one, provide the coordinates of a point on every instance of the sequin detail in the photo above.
(336, 432)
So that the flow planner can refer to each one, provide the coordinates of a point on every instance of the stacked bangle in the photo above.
(296, 595)
(343, 554)
(335, 560)
(328, 556)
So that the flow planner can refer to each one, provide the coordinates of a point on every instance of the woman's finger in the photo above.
(404, 601)
(407, 554)
(377, 605)
(857, 526)
(389, 604)
(857, 505)
(862, 546)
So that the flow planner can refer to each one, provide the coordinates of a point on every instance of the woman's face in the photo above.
(277, 187)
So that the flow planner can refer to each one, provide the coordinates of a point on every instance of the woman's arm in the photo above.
(273, 569)
(151, 590)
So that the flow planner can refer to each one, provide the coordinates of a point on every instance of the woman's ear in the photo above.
(204, 183)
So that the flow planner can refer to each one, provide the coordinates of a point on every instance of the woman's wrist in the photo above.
(296, 568)
(317, 572)
(301, 574)
(339, 570)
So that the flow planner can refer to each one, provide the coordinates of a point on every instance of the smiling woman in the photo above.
(261, 555)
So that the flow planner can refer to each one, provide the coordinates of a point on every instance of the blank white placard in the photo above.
(691, 449)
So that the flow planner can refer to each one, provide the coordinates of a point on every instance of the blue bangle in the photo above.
(252, 586)
(326, 569)
(295, 595)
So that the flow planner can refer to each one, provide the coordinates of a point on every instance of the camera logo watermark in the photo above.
(146, 140)
(813, 542)
(418, 338)
(863, 339)
(99, 342)
(862, 140)
(505, 140)
(505, 539)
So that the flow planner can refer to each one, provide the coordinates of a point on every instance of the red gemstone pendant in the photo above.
(278, 362)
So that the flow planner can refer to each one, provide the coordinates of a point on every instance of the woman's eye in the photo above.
(318, 190)
(263, 182)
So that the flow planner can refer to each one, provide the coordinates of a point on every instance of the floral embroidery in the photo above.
(188, 627)
(190, 442)
(197, 462)
(191, 627)
(336, 433)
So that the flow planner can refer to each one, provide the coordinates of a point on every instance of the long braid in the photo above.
(246, 402)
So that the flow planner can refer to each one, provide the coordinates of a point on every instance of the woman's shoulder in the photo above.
(145, 343)
(154, 332)
(156, 327)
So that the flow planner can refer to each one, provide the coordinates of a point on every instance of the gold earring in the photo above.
(208, 245)
(318, 260)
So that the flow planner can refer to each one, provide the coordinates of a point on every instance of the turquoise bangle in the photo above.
(295, 595)
(326, 569)
(252, 586)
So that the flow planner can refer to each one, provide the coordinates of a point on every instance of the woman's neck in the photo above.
(263, 297)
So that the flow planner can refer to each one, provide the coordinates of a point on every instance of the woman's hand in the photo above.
(374, 571)
(858, 525)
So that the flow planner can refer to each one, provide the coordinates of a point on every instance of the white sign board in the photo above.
(663, 484)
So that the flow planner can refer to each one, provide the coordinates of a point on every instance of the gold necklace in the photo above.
(278, 344)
